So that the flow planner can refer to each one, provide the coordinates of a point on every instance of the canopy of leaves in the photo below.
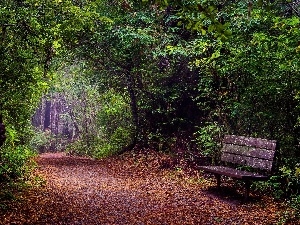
(189, 71)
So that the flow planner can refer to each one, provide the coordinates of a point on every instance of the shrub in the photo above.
(15, 161)
(40, 141)
(208, 138)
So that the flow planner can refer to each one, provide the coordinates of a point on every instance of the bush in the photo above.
(120, 138)
(15, 161)
(100, 147)
(286, 183)
(15, 154)
(41, 141)
(80, 147)
(294, 202)
(208, 138)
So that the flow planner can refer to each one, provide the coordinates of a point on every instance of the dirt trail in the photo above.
(128, 190)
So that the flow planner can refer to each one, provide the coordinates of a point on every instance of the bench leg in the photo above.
(218, 177)
(247, 190)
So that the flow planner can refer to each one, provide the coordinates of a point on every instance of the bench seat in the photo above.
(231, 172)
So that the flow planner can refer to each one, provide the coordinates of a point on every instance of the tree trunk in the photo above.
(47, 120)
(134, 112)
(77, 130)
(2, 132)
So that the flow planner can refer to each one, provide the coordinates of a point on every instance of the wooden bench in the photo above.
(254, 153)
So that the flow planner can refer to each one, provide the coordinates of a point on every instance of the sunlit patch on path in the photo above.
(126, 190)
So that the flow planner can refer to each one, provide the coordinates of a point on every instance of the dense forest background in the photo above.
(102, 77)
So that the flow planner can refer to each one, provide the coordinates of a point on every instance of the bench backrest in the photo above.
(254, 152)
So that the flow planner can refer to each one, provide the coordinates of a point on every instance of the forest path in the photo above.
(131, 189)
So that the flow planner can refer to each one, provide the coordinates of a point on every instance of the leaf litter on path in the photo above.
(129, 189)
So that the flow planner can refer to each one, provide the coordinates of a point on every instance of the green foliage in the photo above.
(295, 204)
(283, 184)
(80, 147)
(248, 71)
(101, 117)
(208, 137)
(81, 104)
(291, 214)
(162, 142)
(115, 121)
(15, 161)
(32, 34)
(119, 139)
(40, 141)
(151, 70)
(99, 147)
(114, 113)
(287, 182)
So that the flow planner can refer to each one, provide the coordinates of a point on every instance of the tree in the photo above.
(32, 34)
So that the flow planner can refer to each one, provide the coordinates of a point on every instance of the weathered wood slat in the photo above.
(247, 161)
(250, 141)
(249, 151)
